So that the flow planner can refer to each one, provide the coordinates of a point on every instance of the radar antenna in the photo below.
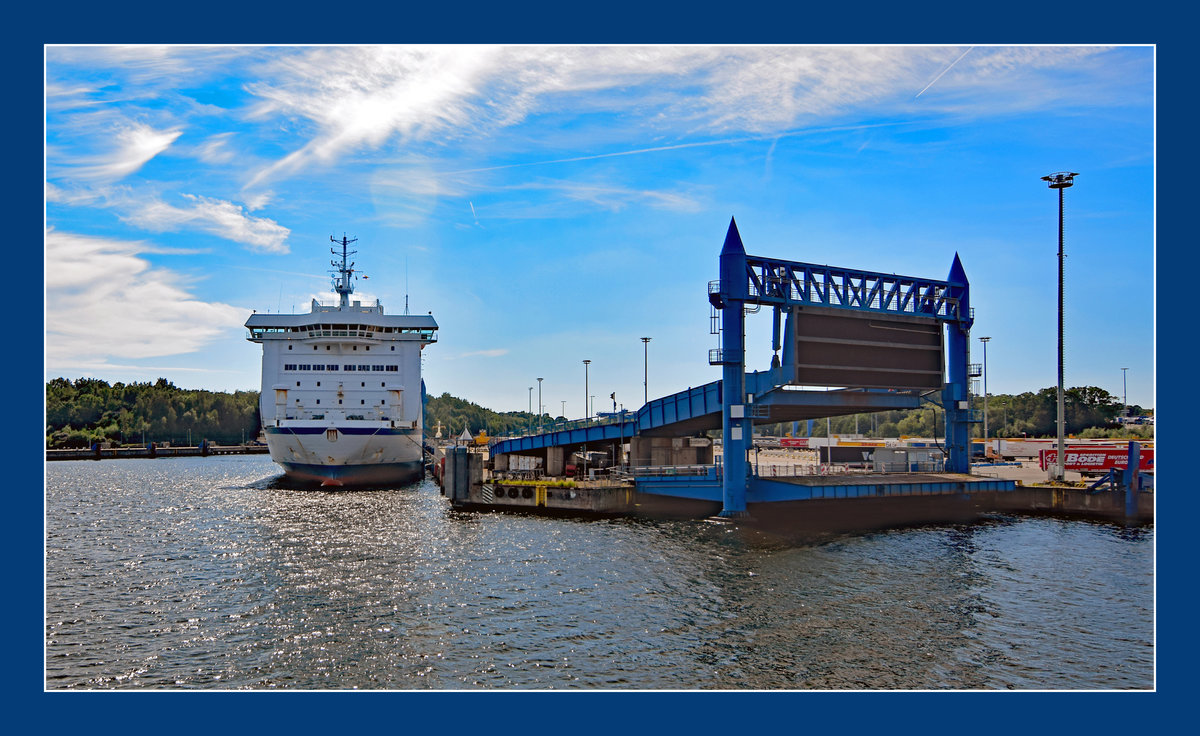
(341, 279)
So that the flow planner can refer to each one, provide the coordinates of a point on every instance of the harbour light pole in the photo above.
(540, 409)
(1124, 394)
(646, 370)
(1060, 181)
(531, 410)
(984, 340)
(587, 414)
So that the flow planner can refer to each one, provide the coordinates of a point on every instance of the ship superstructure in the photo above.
(342, 394)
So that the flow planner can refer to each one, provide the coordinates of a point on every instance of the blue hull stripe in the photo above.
(380, 431)
(382, 473)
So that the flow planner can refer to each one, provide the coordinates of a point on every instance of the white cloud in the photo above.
(216, 216)
(104, 302)
(360, 98)
(137, 144)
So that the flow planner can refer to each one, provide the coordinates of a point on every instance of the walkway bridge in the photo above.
(696, 410)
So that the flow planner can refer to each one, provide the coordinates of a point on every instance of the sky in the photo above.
(551, 204)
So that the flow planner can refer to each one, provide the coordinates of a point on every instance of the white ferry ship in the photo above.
(342, 396)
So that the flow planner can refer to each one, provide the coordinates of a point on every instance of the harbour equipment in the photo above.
(341, 399)
(846, 328)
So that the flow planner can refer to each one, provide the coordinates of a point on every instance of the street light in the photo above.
(1124, 393)
(540, 412)
(1060, 181)
(587, 416)
(646, 370)
(531, 410)
(984, 340)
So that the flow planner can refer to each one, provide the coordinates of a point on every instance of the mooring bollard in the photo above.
(1132, 466)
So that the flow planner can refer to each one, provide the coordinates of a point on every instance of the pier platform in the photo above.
(154, 451)
(839, 502)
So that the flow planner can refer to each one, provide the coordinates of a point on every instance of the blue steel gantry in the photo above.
(877, 338)
(753, 280)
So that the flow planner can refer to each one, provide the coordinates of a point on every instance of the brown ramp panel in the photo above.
(866, 350)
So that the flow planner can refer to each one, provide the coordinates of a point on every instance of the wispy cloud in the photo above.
(105, 302)
(219, 217)
(493, 353)
(136, 144)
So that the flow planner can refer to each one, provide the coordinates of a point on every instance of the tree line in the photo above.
(88, 410)
(1090, 412)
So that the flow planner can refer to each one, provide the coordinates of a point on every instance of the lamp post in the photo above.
(1060, 181)
(540, 412)
(587, 415)
(563, 411)
(646, 370)
(1124, 394)
(984, 340)
(531, 410)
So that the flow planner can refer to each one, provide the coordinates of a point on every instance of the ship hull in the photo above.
(355, 458)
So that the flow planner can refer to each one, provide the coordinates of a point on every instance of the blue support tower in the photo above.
(955, 399)
(736, 429)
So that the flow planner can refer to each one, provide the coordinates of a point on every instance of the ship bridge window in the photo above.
(364, 367)
(305, 367)
(289, 366)
(393, 368)
(331, 367)
(376, 367)
(347, 367)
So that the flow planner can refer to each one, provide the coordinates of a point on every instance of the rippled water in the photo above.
(205, 573)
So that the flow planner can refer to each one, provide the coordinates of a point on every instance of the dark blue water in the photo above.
(205, 573)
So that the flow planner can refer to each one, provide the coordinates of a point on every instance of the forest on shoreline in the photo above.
(88, 410)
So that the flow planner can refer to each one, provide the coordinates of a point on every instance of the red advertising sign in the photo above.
(794, 442)
(1096, 459)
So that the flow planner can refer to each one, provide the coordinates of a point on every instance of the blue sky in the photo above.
(554, 203)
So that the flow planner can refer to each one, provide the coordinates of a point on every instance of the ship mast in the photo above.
(341, 282)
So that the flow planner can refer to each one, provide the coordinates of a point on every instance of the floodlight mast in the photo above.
(1060, 181)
